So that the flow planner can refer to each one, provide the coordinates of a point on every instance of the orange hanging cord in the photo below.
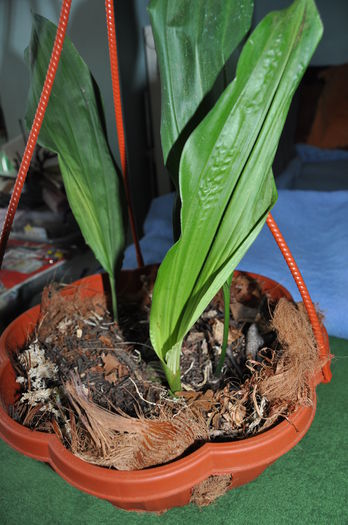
(36, 126)
(323, 347)
(111, 29)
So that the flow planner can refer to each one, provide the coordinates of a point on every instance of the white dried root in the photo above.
(39, 371)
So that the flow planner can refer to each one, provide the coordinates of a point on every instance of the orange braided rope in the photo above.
(307, 301)
(110, 22)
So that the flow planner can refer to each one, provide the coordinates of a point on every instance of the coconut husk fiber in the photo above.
(287, 380)
(210, 489)
(55, 307)
(128, 443)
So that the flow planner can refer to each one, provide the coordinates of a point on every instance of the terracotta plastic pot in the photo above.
(153, 489)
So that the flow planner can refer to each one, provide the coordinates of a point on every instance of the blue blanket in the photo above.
(315, 226)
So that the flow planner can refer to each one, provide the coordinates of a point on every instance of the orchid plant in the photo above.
(224, 180)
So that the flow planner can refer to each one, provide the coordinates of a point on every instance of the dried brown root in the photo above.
(299, 360)
(210, 489)
(126, 443)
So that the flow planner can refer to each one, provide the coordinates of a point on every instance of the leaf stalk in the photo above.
(226, 290)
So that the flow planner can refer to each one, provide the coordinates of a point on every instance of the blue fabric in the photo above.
(315, 226)
(309, 153)
(158, 236)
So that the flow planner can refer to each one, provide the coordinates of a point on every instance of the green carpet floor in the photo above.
(307, 485)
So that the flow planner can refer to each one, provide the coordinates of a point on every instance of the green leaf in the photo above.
(226, 184)
(72, 128)
(193, 41)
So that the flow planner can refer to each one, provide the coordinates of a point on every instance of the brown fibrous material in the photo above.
(288, 379)
(210, 489)
(56, 307)
(128, 443)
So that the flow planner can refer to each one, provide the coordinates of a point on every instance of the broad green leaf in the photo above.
(193, 41)
(226, 184)
(72, 129)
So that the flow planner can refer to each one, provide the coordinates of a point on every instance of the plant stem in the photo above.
(113, 296)
(227, 299)
(171, 366)
(174, 381)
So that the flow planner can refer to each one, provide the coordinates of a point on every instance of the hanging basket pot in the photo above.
(214, 466)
